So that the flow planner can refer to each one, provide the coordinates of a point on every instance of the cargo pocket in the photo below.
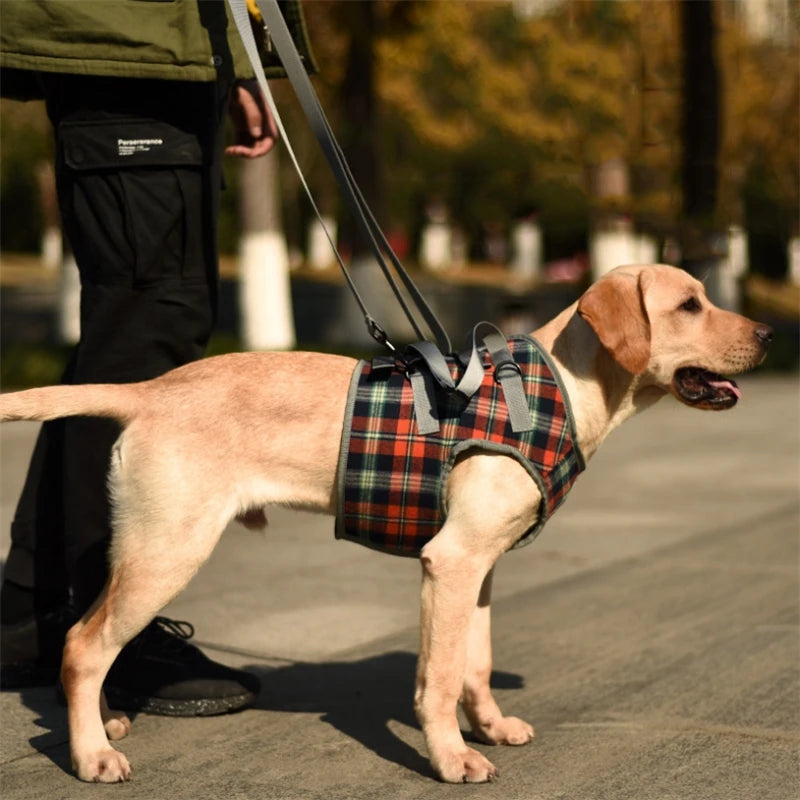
(134, 201)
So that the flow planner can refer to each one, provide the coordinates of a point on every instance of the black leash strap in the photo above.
(284, 45)
(425, 365)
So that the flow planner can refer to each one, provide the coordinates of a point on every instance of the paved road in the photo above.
(650, 634)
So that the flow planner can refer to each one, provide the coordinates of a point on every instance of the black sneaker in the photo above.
(30, 650)
(159, 672)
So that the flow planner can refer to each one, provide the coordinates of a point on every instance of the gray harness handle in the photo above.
(434, 371)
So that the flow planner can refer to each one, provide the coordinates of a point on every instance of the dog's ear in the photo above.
(614, 308)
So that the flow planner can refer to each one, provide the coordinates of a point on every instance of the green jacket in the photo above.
(188, 40)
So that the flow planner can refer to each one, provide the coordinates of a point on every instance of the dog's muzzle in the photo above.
(703, 389)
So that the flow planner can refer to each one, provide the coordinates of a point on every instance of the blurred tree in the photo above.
(761, 130)
(345, 37)
(25, 143)
(760, 181)
(493, 111)
(499, 107)
(496, 107)
(361, 122)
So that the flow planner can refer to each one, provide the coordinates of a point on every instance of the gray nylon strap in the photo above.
(424, 393)
(473, 374)
(507, 373)
(435, 361)
(437, 364)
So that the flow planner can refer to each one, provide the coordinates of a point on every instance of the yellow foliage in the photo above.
(551, 94)
(588, 82)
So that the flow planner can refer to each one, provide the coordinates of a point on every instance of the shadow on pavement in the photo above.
(360, 699)
(53, 742)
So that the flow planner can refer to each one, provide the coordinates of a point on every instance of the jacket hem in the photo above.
(108, 68)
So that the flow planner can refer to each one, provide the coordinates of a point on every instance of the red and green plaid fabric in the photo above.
(392, 480)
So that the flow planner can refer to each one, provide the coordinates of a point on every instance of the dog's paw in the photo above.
(117, 725)
(105, 766)
(465, 766)
(505, 730)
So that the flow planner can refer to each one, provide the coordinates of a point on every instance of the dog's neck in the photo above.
(602, 394)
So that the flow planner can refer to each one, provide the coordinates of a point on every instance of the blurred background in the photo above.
(512, 150)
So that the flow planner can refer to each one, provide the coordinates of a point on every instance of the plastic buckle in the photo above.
(409, 365)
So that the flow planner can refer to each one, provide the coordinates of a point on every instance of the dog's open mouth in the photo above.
(703, 389)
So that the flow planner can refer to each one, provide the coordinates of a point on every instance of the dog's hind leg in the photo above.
(88, 654)
(144, 578)
(483, 713)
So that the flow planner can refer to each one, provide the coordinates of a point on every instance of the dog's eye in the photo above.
(691, 305)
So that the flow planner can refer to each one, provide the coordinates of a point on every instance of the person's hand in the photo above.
(256, 132)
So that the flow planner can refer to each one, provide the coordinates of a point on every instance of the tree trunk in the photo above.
(701, 121)
(360, 127)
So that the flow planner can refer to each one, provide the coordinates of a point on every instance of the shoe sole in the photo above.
(165, 707)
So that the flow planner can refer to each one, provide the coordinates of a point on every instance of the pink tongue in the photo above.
(727, 385)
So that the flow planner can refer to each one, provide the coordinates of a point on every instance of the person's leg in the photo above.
(138, 174)
(36, 561)
(34, 599)
(137, 170)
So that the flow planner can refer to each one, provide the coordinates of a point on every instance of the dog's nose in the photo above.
(763, 334)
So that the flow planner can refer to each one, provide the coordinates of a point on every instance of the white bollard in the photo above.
(794, 260)
(320, 252)
(265, 297)
(646, 249)
(611, 248)
(436, 246)
(52, 248)
(732, 268)
(526, 250)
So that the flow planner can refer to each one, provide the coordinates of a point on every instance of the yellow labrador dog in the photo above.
(227, 436)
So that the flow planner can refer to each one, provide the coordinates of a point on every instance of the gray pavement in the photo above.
(650, 635)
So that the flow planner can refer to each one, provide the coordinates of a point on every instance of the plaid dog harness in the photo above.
(392, 479)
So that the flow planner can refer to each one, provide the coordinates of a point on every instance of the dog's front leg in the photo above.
(451, 582)
(483, 713)
(455, 566)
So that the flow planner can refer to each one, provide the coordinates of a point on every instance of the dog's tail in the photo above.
(115, 401)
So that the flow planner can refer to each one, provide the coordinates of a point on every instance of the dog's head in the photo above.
(657, 323)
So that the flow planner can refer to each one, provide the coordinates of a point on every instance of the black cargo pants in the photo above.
(138, 172)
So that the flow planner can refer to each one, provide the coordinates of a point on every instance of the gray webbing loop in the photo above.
(424, 365)
(423, 391)
(508, 374)
(434, 360)
(282, 40)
